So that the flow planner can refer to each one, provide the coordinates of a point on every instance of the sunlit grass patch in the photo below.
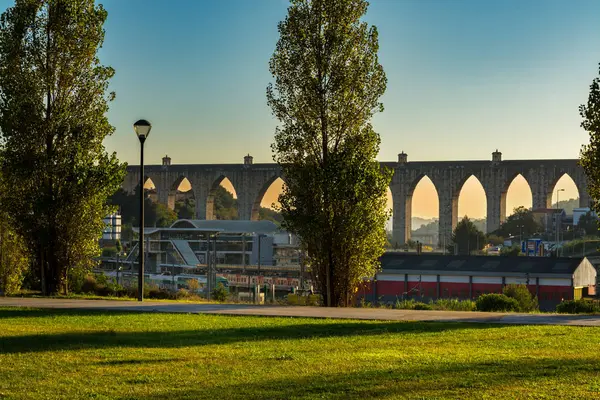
(125, 355)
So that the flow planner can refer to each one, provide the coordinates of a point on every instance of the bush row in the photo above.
(513, 298)
(578, 307)
(440, 304)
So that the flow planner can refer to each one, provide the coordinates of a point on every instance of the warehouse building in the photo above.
(426, 277)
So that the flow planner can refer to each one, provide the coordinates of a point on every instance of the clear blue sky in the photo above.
(465, 76)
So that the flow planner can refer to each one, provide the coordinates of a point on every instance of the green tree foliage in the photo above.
(127, 204)
(495, 240)
(588, 224)
(185, 209)
(510, 251)
(14, 259)
(270, 215)
(590, 153)
(466, 238)
(220, 293)
(494, 302)
(527, 302)
(155, 214)
(328, 82)
(53, 107)
(520, 222)
(158, 214)
(226, 206)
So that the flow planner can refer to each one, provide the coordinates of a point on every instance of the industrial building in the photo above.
(187, 245)
(426, 277)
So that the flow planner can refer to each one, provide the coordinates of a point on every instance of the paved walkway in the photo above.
(310, 312)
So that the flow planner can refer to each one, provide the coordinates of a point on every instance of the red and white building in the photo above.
(425, 277)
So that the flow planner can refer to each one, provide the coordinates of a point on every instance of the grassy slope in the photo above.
(85, 354)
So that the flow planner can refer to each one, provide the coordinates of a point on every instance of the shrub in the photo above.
(527, 302)
(292, 299)
(220, 293)
(160, 294)
(77, 277)
(193, 285)
(412, 305)
(422, 306)
(404, 304)
(577, 307)
(109, 252)
(313, 300)
(89, 284)
(496, 302)
(454, 305)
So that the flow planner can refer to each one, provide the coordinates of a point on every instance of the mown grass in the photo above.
(60, 354)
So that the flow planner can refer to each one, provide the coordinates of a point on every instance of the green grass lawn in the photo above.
(51, 354)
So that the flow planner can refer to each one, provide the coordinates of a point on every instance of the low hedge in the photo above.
(496, 302)
(577, 307)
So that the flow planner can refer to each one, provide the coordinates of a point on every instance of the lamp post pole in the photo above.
(141, 236)
(142, 129)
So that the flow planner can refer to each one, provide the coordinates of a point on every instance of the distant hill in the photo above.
(417, 222)
(567, 205)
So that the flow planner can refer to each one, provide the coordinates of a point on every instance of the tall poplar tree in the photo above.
(590, 153)
(328, 82)
(53, 104)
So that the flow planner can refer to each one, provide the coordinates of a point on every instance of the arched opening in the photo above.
(564, 194)
(150, 189)
(564, 197)
(472, 203)
(221, 202)
(266, 203)
(182, 199)
(423, 212)
(516, 194)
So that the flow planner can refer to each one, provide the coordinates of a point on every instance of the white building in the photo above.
(112, 231)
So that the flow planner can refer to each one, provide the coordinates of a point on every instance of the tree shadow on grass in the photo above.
(498, 378)
(24, 312)
(113, 338)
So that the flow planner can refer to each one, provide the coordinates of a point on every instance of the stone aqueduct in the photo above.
(251, 181)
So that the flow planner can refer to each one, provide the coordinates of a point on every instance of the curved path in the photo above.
(309, 312)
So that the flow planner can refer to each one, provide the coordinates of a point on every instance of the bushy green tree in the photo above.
(512, 251)
(186, 209)
(466, 238)
(53, 106)
(590, 153)
(220, 293)
(494, 302)
(155, 214)
(328, 82)
(588, 224)
(527, 301)
(495, 240)
(226, 206)
(14, 259)
(520, 223)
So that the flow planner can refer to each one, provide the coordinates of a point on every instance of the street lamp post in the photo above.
(142, 130)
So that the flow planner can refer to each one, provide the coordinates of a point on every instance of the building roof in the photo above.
(227, 226)
(393, 261)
